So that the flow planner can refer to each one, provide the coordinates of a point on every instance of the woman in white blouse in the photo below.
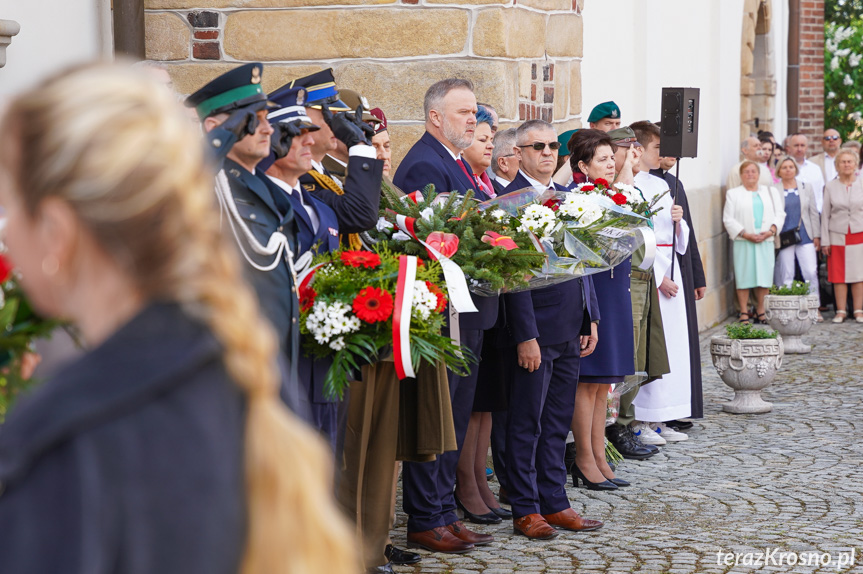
(753, 215)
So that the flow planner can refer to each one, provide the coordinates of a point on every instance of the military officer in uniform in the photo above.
(233, 112)
(317, 232)
(357, 200)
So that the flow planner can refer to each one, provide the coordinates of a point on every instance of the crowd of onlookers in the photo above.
(791, 215)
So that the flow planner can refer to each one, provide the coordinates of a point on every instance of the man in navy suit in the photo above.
(450, 112)
(504, 164)
(318, 232)
(552, 327)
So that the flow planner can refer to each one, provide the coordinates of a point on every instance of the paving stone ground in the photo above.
(790, 480)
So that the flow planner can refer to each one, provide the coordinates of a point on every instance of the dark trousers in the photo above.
(498, 446)
(428, 486)
(540, 413)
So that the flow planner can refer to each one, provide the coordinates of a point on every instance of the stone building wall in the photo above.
(810, 120)
(524, 56)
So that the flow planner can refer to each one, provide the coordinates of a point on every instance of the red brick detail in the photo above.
(206, 34)
(206, 51)
(533, 92)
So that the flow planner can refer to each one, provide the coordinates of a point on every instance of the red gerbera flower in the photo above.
(5, 269)
(307, 298)
(619, 199)
(365, 259)
(601, 182)
(372, 304)
(441, 298)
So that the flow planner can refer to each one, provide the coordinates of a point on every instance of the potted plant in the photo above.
(747, 359)
(792, 311)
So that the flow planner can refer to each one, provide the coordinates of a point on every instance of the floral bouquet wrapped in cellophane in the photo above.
(581, 233)
(493, 257)
(357, 305)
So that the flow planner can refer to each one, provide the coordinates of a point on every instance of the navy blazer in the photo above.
(428, 161)
(555, 314)
(356, 209)
(130, 460)
(326, 238)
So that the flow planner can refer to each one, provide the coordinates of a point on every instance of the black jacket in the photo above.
(130, 461)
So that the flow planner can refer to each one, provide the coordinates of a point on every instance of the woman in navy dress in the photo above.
(593, 157)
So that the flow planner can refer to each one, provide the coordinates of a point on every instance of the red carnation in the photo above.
(619, 199)
(372, 304)
(601, 182)
(365, 259)
(5, 269)
(552, 204)
(441, 298)
(588, 187)
(307, 298)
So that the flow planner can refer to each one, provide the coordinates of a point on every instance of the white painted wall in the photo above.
(54, 34)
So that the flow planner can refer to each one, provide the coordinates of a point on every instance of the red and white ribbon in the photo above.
(456, 284)
(402, 316)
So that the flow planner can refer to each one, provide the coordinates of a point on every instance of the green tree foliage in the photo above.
(843, 72)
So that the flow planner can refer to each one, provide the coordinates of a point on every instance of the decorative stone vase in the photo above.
(747, 366)
(792, 316)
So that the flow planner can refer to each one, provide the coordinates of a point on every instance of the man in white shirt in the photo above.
(504, 164)
(830, 143)
(809, 171)
(751, 150)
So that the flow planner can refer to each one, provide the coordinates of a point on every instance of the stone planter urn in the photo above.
(747, 366)
(792, 316)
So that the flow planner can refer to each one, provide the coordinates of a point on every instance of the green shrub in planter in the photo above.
(796, 288)
(747, 331)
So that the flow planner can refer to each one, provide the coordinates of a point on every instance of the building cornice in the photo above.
(8, 28)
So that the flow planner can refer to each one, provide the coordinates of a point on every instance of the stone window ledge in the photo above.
(8, 28)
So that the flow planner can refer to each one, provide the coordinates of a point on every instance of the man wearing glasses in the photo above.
(830, 143)
(552, 329)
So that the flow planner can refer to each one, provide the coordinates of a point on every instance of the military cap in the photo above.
(321, 89)
(290, 107)
(381, 124)
(604, 110)
(353, 99)
(563, 139)
(234, 89)
(624, 137)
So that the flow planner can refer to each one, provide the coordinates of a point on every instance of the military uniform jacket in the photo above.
(357, 209)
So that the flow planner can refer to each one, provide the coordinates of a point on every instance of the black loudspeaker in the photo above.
(679, 122)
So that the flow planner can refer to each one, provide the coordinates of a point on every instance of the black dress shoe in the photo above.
(624, 441)
(487, 518)
(679, 425)
(619, 482)
(578, 475)
(385, 569)
(401, 557)
(502, 512)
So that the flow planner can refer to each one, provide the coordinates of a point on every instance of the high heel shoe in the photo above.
(487, 518)
(578, 475)
(619, 482)
(502, 512)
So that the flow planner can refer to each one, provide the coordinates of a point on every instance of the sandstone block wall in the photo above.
(524, 56)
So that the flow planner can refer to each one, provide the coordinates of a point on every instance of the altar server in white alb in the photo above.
(667, 398)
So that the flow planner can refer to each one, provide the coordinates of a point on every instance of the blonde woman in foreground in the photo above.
(165, 448)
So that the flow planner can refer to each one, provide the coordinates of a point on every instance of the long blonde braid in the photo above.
(117, 148)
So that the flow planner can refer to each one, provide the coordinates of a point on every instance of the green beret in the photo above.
(564, 141)
(604, 110)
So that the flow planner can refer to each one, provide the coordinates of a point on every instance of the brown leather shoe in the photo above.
(439, 539)
(459, 530)
(533, 526)
(570, 520)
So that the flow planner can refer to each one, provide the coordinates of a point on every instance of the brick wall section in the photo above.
(524, 56)
(811, 107)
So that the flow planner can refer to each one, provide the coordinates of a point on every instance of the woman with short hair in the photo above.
(753, 215)
(842, 234)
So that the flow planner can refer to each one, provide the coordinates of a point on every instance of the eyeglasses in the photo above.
(539, 146)
(830, 138)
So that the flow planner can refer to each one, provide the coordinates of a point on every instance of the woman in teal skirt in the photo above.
(753, 215)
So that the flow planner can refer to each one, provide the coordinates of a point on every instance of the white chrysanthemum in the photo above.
(337, 344)
(499, 215)
(425, 302)
(538, 219)
(329, 320)
(580, 208)
(628, 191)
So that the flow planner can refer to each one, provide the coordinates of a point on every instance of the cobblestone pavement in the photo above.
(790, 480)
